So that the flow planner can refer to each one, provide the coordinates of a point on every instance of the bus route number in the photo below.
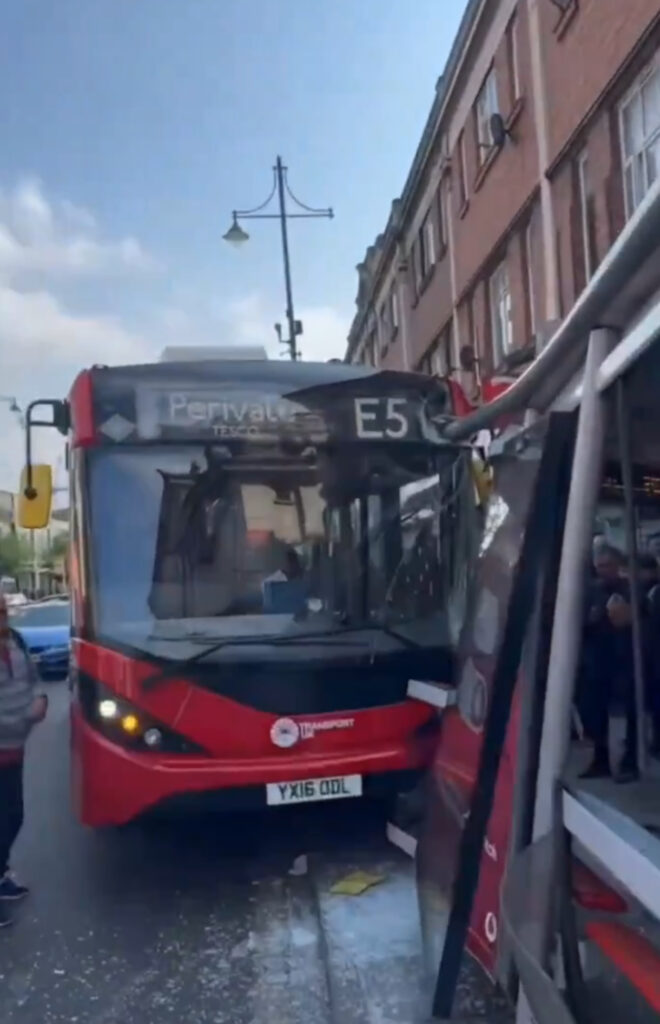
(378, 419)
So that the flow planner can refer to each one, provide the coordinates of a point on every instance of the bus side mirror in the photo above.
(35, 497)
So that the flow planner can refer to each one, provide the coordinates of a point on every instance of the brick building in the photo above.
(543, 137)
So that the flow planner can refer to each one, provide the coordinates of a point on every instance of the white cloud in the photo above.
(59, 239)
(325, 329)
(35, 330)
(44, 343)
(42, 348)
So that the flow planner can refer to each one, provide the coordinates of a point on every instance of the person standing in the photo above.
(20, 709)
(605, 658)
(650, 584)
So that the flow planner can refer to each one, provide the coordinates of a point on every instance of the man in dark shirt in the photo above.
(607, 657)
(650, 586)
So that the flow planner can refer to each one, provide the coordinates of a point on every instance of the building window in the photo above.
(499, 295)
(442, 229)
(370, 357)
(587, 217)
(514, 66)
(640, 137)
(436, 361)
(487, 105)
(567, 10)
(383, 316)
(529, 267)
(394, 310)
(462, 171)
(424, 252)
(389, 315)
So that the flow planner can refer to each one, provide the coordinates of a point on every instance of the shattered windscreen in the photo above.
(257, 542)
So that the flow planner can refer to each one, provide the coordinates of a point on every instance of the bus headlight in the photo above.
(123, 723)
(131, 724)
(108, 709)
(153, 738)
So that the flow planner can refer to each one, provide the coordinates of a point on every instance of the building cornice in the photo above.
(430, 138)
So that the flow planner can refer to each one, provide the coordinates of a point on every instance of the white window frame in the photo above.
(437, 358)
(383, 317)
(416, 257)
(499, 300)
(394, 309)
(442, 217)
(638, 161)
(462, 168)
(429, 238)
(487, 104)
(424, 250)
(371, 347)
(515, 65)
(583, 182)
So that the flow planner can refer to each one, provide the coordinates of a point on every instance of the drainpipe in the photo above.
(541, 116)
(403, 298)
(449, 228)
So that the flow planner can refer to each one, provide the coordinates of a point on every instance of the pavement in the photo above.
(200, 920)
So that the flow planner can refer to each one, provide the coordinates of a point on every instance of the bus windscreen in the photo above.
(230, 544)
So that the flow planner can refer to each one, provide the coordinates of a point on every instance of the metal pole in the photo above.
(33, 556)
(569, 607)
(569, 603)
(625, 454)
(279, 171)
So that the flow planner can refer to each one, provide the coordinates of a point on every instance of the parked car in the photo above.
(45, 626)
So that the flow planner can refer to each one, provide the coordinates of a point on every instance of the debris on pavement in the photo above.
(299, 866)
(356, 883)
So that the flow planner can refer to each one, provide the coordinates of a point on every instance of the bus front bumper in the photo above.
(113, 786)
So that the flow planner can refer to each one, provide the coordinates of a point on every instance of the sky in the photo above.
(129, 131)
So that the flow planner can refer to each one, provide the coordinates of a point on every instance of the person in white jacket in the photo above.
(20, 709)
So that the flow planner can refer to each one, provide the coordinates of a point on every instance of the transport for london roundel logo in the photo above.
(284, 732)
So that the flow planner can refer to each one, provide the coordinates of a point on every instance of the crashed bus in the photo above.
(266, 557)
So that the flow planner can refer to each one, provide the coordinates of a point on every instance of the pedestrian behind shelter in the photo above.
(607, 661)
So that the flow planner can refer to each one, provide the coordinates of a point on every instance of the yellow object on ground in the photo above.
(356, 883)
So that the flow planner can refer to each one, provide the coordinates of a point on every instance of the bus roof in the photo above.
(281, 373)
(211, 353)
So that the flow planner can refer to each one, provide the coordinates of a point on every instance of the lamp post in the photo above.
(237, 236)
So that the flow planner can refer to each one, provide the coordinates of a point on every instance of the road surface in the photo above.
(202, 921)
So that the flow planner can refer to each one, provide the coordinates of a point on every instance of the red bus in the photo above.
(263, 555)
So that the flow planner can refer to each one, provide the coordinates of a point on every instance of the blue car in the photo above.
(46, 629)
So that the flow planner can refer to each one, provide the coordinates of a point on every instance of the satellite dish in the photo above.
(498, 131)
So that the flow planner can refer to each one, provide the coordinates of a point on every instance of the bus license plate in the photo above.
(313, 789)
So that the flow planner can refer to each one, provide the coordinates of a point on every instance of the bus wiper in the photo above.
(244, 641)
(380, 627)
(322, 637)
